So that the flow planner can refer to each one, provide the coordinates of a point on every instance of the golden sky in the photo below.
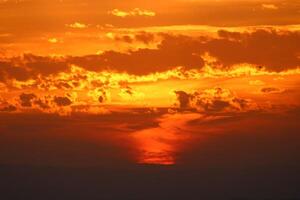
(173, 66)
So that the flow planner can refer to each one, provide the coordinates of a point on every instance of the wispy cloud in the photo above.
(269, 6)
(78, 25)
(53, 40)
(134, 12)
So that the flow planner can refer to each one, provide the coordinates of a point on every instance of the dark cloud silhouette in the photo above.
(8, 108)
(270, 90)
(142, 61)
(26, 99)
(45, 65)
(9, 71)
(124, 38)
(44, 104)
(213, 100)
(62, 101)
(275, 50)
(30, 100)
(183, 99)
(101, 99)
(143, 37)
(29, 66)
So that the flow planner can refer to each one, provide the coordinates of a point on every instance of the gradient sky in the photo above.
(143, 82)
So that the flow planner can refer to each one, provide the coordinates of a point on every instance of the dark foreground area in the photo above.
(245, 157)
(149, 182)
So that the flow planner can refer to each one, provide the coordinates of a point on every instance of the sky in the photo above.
(166, 83)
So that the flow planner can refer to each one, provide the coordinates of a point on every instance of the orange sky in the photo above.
(169, 61)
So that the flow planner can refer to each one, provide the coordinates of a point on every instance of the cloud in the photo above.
(43, 104)
(62, 101)
(46, 103)
(183, 99)
(213, 100)
(77, 25)
(8, 108)
(29, 66)
(31, 100)
(274, 50)
(143, 37)
(26, 99)
(271, 90)
(101, 99)
(134, 12)
(269, 6)
(264, 48)
(9, 71)
(53, 40)
(167, 56)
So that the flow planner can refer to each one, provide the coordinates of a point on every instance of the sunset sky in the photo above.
(140, 82)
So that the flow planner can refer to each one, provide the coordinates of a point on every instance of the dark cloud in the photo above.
(42, 104)
(8, 108)
(143, 37)
(31, 100)
(270, 90)
(124, 38)
(213, 100)
(183, 99)
(101, 99)
(143, 61)
(29, 66)
(62, 101)
(26, 99)
(63, 85)
(275, 50)
(128, 90)
(44, 65)
(9, 71)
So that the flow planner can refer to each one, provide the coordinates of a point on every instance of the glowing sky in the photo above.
(173, 66)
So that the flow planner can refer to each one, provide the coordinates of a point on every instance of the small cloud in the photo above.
(109, 26)
(134, 12)
(53, 40)
(119, 13)
(62, 101)
(271, 90)
(26, 99)
(105, 26)
(141, 37)
(77, 25)
(110, 35)
(269, 6)
(101, 99)
(183, 99)
(100, 52)
(42, 104)
(144, 37)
